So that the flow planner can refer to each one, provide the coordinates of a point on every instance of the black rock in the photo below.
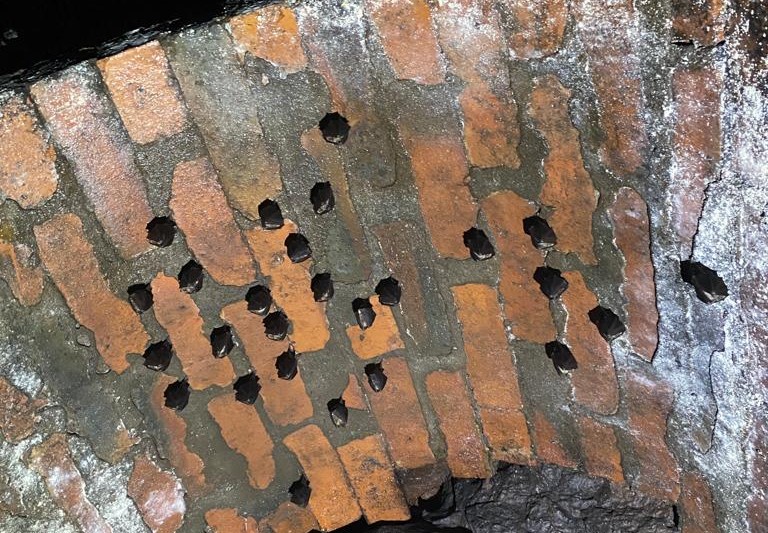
(710, 287)
(608, 323)
(322, 287)
(551, 282)
(270, 215)
(158, 355)
(140, 296)
(561, 357)
(191, 277)
(322, 197)
(480, 247)
(276, 325)
(300, 491)
(222, 341)
(377, 379)
(259, 300)
(247, 388)
(364, 313)
(161, 231)
(338, 411)
(287, 364)
(335, 128)
(297, 247)
(389, 291)
(541, 234)
(177, 395)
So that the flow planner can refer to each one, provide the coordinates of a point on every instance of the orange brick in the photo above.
(158, 495)
(331, 501)
(271, 33)
(701, 22)
(492, 373)
(696, 502)
(467, 456)
(631, 230)
(27, 158)
(525, 306)
(245, 433)
(549, 448)
(69, 259)
(201, 211)
(142, 88)
(594, 382)
(440, 171)
(539, 27)
(491, 131)
(353, 395)
(290, 286)
(228, 521)
(373, 480)
(286, 402)
(290, 518)
(379, 339)
(17, 418)
(602, 457)
(24, 279)
(51, 459)
(101, 155)
(398, 412)
(177, 312)
(568, 189)
(406, 34)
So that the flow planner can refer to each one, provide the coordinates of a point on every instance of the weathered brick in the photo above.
(492, 373)
(353, 395)
(290, 518)
(568, 188)
(144, 92)
(491, 131)
(698, 512)
(602, 457)
(201, 211)
(158, 495)
(649, 403)
(538, 27)
(332, 501)
(373, 480)
(405, 31)
(290, 286)
(702, 22)
(286, 402)
(271, 33)
(177, 312)
(594, 382)
(242, 428)
(549, 448)
(101, 154)
(631, 231)
(228, 521)
(526, 307)
(379, 339)
(24, 279)
(467, 456)
(27, 158)
(757, 503)
(51, 459)
(17, 417)
(69, 259)
(440, 171)
(398, 412)
(695, 147)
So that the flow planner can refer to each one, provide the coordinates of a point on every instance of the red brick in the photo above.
(379, 339)
(492, 373)
(27, 158)
(245, 433)
(631, 231)
(538, 27)
(549, 447)
(757, 503)
(440, 171)
(177, 312)
(271, 33)
(526, 307)
(406, 34)
(398, 412)
(203, 214)
(290, 286)
(491, 131)
(353, 395)
(698, 512)
(144, 92)
(101, 155)
(290, 518)
(602, 457)
(649, 403)
(17, 417)
(69, 259)
(467, 456)
(286, 402)
(702, 22)
(51, 459)
(568, 189)
(187, 464)
(373, 480)
(24, 279)
(594, 382)
(332, 501)
(228, 521)
(695, 147)
(158, 495)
